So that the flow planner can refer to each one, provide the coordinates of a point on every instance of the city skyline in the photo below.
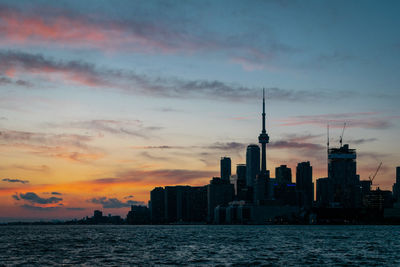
(99, 106)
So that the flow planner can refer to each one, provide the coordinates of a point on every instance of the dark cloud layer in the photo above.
(15, 181)
(38, 208)
(34, 198)
(114, 203)
(88, 74)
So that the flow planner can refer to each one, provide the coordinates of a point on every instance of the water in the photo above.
(199, 245)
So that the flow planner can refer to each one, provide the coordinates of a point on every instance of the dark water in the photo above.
(200, 245)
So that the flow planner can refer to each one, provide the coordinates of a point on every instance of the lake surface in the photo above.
(199, 245)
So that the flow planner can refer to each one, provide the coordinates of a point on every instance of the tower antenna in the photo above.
(327, 136)
(341, 137)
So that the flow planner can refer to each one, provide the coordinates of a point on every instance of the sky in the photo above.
(101, 101)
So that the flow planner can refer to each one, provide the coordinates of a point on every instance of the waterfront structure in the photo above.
(219, 192)
(138, 215)
(252, 164)
(304, 184)
(225, 168)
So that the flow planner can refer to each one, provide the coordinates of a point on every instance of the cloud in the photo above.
(71, 147)
(168, 109)
(158, 147)
(38, 208)
(366, 120)
(152, 157)
(38, 168)
(125, 127)
(361, 141)
(4, 80)
(165, 32)
(162, 176)
(34, 198)
(376, 156)
(68, 28)
(74, 208)
(74, 140)
(15, 181)
(299, 148)
(56, 193)
(89, 75)
(8, 81)
(294, 145)
(227, 146)
(114, 203)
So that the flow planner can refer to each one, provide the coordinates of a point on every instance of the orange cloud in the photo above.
(80, 157)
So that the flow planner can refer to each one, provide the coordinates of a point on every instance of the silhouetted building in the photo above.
(178, 204)
(283, 175)
(219, 192)
(323, 192)
(98, 218)
(97, 215)
(138, 215)
(286, 194)
(241, 190)
(170, 202)
(396, 186)
(365, 190)
(197, 204)
(252, 164)
(157, 205)
(304, 184)
(342, 173)
(225, 166)
(379, 199)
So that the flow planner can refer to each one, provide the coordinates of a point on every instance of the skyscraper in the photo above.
(304, 184)
(157, 205)
(240, 185)
(241, 171)
(252, 164)
(283, 175)
(342, 173)
(225, 166)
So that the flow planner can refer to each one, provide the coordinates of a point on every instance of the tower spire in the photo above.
(263, 139)
(263, 113)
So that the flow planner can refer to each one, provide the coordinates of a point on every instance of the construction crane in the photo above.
(341, 137)
(373, 176)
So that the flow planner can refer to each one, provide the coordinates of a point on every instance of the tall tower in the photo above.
(262, 183)
(252, 164)
(263, 139)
